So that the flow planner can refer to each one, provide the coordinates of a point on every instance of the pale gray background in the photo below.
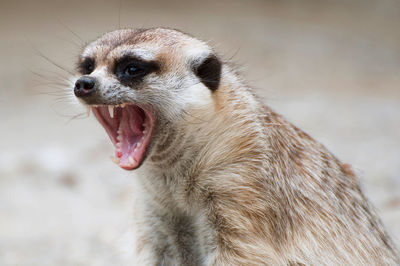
(331, 67)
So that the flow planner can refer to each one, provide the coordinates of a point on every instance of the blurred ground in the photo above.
(331, 67)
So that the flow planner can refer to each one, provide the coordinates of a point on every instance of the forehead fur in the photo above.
(147, 44)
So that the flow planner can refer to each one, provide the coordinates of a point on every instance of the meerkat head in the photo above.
(136, 80)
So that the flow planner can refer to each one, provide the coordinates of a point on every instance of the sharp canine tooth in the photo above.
(131, 160)
(123, 105)
(88, 111)
(111, 111)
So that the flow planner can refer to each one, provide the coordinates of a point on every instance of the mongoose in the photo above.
(224, 180)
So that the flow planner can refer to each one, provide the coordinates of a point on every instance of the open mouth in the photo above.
(130, 128)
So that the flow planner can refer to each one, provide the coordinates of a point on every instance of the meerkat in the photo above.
(222, 178)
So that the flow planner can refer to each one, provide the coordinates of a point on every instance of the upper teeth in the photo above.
(111, 108)
(111, 111)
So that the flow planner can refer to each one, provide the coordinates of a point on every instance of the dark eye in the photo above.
(87, 66)
(130, 70)
(133, 71)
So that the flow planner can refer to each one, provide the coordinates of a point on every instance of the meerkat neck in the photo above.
(225, 137)
(219, 133)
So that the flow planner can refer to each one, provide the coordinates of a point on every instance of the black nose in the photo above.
(84, 86)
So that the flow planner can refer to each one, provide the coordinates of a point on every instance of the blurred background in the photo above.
(331, 67)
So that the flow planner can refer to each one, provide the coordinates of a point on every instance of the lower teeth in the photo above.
(114, 159)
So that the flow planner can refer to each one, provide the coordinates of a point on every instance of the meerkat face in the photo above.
(133, 80)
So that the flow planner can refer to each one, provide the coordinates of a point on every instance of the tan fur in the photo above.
(227, 181)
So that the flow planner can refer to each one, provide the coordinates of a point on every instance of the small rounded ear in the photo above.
(209, 72)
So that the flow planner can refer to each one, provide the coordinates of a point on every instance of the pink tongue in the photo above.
(131, 133)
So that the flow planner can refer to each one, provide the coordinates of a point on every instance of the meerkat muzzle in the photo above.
(130, 128)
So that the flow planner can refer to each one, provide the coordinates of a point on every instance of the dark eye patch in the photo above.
(86, 66)
(132, 70)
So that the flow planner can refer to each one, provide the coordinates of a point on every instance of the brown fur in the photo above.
(230, 182)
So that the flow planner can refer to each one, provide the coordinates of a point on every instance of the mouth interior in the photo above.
(129, 128)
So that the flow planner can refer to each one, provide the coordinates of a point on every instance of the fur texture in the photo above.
(227, 181)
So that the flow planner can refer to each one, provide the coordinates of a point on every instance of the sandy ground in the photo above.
(331, 67)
